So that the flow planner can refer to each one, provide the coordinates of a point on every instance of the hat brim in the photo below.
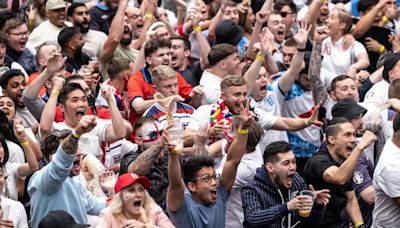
(57, 7)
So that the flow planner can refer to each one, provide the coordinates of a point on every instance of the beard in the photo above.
(126, 41)
(84, 28)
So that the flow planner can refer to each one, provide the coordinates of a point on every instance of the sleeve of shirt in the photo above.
(161, 218)
(320, 164)
(135, 87)
(102, 126)
(94, 205)
(280, 97)
(184, 87)
(51, 177)
(35, 105)
(200, 116)
(265, 119)
(359, 49)
(361, 178)
(390, 176)
(126, 160)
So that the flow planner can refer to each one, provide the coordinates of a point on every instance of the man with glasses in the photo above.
(287, 9)
(56, 11)
(18, 56)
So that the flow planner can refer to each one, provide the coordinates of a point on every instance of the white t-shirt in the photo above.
(336, 60)
(94, 39)
(378, 94)
(28, 120)
(45, 32)
(244, 176)
(10, 187)
(211, 86)
(116, 150)
(15, 211)
(90, 143)
(386, 184)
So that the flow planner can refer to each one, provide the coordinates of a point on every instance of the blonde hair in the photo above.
(117, 206)
(95, 168)
(162, 72)
(345, 17)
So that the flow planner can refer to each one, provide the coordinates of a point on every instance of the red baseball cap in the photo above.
(129, 178)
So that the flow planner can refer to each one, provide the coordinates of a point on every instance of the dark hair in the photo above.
(394, 89)
(74, 77)
(365, 5)
(255, 133)
(142, 120)
(50, 143)
(220, 52)
(290, 42)
(9, 74)
(335, 126)
(193, 165)
(66, 35)
(246, 68)
(5, 148)
(154, 44)
(116, 66)
(338, 79)
(73, 6)
(232, 80)
(396, 124)
(186, 43)
(12, 24)
(3, 39)
(67, 89)
(275, 148)
(279, 4)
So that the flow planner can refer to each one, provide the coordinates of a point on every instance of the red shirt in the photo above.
(140, 85)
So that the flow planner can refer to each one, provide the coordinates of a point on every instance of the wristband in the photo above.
(260, 57)
(243, 131)
(306, 122)
(55, 91)
(75, 135)
(301, 49)
(381, 49)
(385, 19)
(197, 28)
(358, 224)
(149, 15)
(25, 143)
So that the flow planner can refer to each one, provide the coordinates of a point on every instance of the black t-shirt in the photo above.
(313, 174)
(73, 65)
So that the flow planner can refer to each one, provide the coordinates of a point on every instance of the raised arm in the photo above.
(115, 33)
(32, 165)
(365, 22)
(340, 175)
(237, 148)
(119, 128)
(204, 46)
(176, 187)
(261, 18)
(289, 77)
(319, 93)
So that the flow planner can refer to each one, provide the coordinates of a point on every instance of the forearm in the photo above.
(213, 25)
(319, 93)
(36, 149)
(141, 106)
(143, 35)
(290, 124)
(289, 77)
(270, 65)
(48, 115)
(346, 169)
(32, 91)
(254, 38)
(314, 11)
(204, 46)
(70, 144)
(365, 22)
(354, 212)
(117, 120)
(188, 137)
(30, 159)
(144, 161)
(175, 194)
(251, 74)
(362, 62)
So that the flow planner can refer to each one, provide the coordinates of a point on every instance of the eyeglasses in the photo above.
(284, 14)
(20, 35)
(207, 179)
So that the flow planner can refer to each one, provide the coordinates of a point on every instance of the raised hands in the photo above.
(321, 33)
(19, 130)
(262, 17)
(246, 115)
(55, 63)
(107, 182)
(107, 92)
(57, 82)
(266, 41)
(85, 124)
(301, 37)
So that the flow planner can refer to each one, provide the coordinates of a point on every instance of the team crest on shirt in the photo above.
(358, 178)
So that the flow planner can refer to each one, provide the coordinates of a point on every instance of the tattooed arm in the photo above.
(145, 160)
(320, 95)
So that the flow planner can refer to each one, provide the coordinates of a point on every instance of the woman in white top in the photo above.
(338, 56)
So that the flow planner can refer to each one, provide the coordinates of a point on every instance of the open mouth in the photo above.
(137, 203)
(214, 193)
(79, 114)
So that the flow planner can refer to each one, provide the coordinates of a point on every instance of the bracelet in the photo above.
(243, 131)
(25, 143)
(358, 224)
(75, 135)
(260, 57)
(149, 15)
(197, 28)
(306, 122)
(301, 49)
(381, 49)
(55, 91)
(385, 19)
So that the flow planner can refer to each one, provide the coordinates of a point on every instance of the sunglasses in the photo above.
(284, 14)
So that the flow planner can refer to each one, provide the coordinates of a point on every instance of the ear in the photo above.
(192, 187)
(187, 53)
(62, 107)
(155, 87)
(5, 92)
(269, 167)
(342, 25)
(331, 139)
(390, 75)
(332, 94)
(148, 60)
(222, 64)
(138, 140)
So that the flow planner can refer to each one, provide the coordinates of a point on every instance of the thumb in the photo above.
(311, 188)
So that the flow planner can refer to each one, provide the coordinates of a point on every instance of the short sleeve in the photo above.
(135, 87)
(359, 48)
(361, 178)
(390, 175)
(319, 164)
(126, 160)
(102, 126)
(199, 117)
(184, 87)
(265, 119)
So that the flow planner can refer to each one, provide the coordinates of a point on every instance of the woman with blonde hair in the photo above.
(132, 206)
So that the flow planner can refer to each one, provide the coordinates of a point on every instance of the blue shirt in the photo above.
(193, 214)
(51, 188)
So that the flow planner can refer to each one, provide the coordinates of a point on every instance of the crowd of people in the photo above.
(199, 113)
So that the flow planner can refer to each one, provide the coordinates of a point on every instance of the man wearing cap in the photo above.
(53, 187)
(332, 168)
(78, 14)
(49, 29)
(361, 181)
(378, 94)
